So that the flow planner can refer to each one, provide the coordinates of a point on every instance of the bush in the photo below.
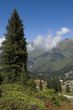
(62, 98)
(8, 104)
(15, 97)
(57, 103)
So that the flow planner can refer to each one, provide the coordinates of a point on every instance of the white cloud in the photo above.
(46, 43)
(1, 40)
(63, 31)
(50, 41)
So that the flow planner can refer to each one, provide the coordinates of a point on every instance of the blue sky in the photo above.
(39, 16)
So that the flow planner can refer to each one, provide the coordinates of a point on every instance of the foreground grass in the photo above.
(17, 97)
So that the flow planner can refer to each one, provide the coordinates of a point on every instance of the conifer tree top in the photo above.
(15, 14)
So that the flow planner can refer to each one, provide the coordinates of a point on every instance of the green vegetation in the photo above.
(67, 89)
(54, 83)
(40, 85)
(17, 97)
(17, 88)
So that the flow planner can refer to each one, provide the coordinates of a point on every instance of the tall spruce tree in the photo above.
(14, 54)
(49, 83)
(67, 89)
(40, 86)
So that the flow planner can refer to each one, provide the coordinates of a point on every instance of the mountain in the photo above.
(59, 60)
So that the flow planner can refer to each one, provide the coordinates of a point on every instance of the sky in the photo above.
(41, 18)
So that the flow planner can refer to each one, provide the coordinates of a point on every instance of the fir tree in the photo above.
(57, 85)
(40, 85)
(14, 54)
(49, 83)
(67, 89)
(1, 79)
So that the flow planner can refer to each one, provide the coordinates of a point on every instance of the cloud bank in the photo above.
(48, 42)
(45, 43)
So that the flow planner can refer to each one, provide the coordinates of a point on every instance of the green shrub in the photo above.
(57, 103)
(15, 97)
(62, 98)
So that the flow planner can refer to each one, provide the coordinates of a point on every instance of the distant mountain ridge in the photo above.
(56, 61)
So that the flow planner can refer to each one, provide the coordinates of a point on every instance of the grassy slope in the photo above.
(16, 97)
(23, 99)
